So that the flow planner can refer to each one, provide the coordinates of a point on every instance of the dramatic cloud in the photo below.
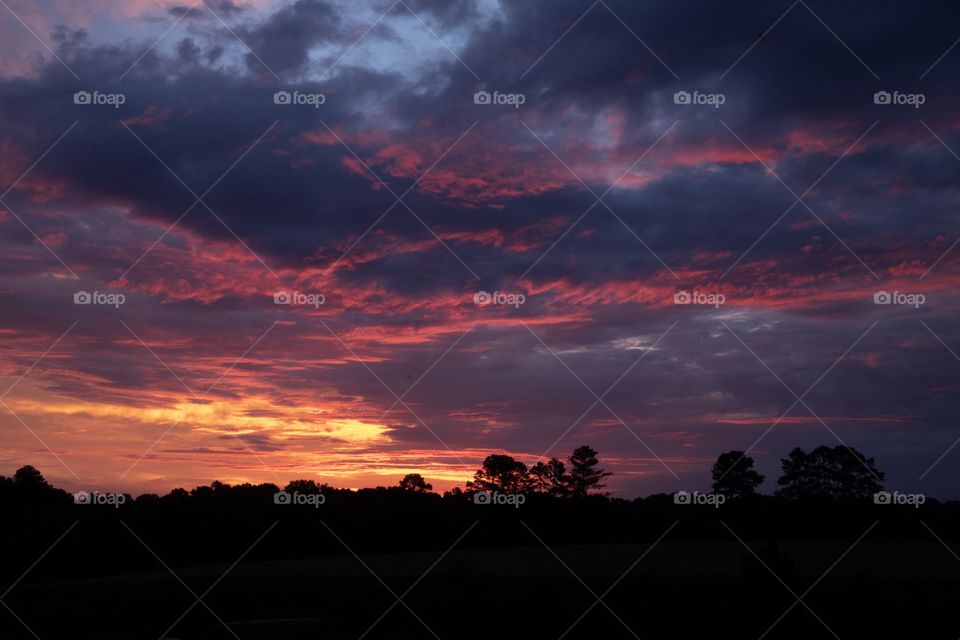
(285, 215)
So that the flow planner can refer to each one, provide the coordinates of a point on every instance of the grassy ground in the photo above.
(678, 590)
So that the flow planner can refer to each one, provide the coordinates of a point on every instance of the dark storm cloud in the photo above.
(213, 115)
(599, 99)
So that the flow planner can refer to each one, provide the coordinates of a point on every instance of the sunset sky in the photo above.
(387, 194)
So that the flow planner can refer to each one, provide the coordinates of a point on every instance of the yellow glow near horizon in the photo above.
(238, 417)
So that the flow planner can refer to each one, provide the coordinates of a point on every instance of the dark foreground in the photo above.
(764, 569)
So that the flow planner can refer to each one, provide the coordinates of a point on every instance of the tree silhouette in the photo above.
(585, 476)
(303, 487)
(839, 473)
(28, 478)
(415, 483)
(500, 473)
(28, 484)
(549, 477)
(734, 475)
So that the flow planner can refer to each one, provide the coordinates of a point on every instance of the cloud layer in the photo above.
(782, 163)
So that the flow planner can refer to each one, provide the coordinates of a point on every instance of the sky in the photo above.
(348, 241)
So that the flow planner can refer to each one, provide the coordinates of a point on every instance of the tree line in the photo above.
(839, 473)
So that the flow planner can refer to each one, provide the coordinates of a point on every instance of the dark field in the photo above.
(864, 571)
